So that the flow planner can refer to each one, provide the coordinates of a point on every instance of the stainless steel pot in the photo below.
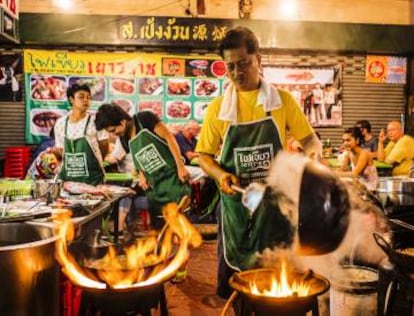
(28, 270)
(396, 184)
(43, 187)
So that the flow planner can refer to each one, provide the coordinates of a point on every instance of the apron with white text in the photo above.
(79, 161)
(248, 149)
(151, 155)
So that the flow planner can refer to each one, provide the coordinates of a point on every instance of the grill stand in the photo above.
(122, 303)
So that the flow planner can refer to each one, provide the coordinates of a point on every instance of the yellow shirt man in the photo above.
(401, 154)
(288, 116)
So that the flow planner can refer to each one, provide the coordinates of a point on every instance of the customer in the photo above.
(399, 151)
(252, 117)
(77, 140)
(187, 141)
(357, 161)
(369, 141)
(155, 155)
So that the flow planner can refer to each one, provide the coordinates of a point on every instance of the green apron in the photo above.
(79, 161)
(152, 156)
(248, 149)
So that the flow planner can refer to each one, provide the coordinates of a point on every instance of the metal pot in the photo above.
(28, 270)
(395, 184)
(44, 187)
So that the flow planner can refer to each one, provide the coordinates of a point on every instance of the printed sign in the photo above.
(176, 88)
(386, 69)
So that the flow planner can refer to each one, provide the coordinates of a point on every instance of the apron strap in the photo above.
(86, 125)
(138, 125)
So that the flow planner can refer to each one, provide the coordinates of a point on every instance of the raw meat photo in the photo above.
(154, 106)
(122, 86)
(179, 86)
(178, 109)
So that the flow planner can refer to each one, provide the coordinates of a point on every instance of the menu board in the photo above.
(176, 88)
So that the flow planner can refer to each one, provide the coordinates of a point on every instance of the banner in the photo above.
(316, 89)
(386, 69)
(177, 88)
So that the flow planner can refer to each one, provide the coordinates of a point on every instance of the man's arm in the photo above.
(312, 146)
(213, 169)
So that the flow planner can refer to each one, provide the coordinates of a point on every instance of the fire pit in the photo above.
(273, 292)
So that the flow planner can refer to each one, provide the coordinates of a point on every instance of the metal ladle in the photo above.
(252, 195)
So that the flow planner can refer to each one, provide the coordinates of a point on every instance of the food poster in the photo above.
(317, 90)
(176, 88)
(386, 69)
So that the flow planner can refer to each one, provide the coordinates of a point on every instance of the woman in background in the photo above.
(357, 161)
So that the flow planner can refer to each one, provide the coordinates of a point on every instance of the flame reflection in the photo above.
(147, 261)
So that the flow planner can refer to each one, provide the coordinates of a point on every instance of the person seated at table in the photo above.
(369, 141)
(187, 141)
(155, 154)
(357, 161)
(399, 151)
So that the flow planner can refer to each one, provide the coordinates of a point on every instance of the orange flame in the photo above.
(148, 261)
(282, 287)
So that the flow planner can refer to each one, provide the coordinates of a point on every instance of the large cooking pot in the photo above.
(396, 184)
(28, 271)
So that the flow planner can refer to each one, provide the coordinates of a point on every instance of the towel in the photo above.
(268, 97)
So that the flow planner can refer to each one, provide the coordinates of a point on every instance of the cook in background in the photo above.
(399, 151)
(369, 141)
(357, 161)
(78, 141)
(155, 154)
(187, 140)
(252, 114)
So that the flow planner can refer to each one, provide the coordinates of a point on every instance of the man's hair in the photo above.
(110, 115)
(238, 37)
(70, 92)
(364, 124)
(355, 133)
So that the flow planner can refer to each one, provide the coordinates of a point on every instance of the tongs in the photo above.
(252, 195)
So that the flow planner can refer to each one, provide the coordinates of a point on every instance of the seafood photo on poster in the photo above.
(317, 90)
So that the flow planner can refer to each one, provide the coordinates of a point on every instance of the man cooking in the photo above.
(78, 141)
(249, 123)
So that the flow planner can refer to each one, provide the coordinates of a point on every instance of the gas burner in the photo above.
(294, 303)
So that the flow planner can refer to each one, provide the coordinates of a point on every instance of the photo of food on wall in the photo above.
(122, 86)
(125, 104)
(173, 67)
(200, 109)
(178, 109)
(150, 86)
(178, 86)
(207, 87)
(154, 106)
(197, 68)
(96, 84)
(43, 120)
(48, 87)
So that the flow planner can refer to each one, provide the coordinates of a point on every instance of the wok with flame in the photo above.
(147, 262)
(270, 291)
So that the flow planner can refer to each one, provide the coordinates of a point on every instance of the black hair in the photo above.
(110, 115)
(71, 91)
(237, 37)
(364, 124)
(355, 133)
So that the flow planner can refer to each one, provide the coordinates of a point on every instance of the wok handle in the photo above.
(238, 189)
(384, 245)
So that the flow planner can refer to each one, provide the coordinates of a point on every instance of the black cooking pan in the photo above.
(395, 254)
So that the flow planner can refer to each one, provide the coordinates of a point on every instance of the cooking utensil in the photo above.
(45, 187)
(252, 195)
(395, 184)
(402, 224)
(23, 218)
(395, 254)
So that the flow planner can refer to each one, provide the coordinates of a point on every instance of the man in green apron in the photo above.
(155, 154)
(249, 124)
(78, 141)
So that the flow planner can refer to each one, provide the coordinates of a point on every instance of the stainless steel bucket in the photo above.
(43, 187)
(396, 184)
(28, 270)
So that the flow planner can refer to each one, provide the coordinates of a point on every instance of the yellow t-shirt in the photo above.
(288, 116)
(400, 153)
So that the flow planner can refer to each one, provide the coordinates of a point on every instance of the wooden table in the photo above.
(383, 169)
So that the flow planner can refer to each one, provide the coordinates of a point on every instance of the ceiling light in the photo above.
(289, 8)
(64, 4)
